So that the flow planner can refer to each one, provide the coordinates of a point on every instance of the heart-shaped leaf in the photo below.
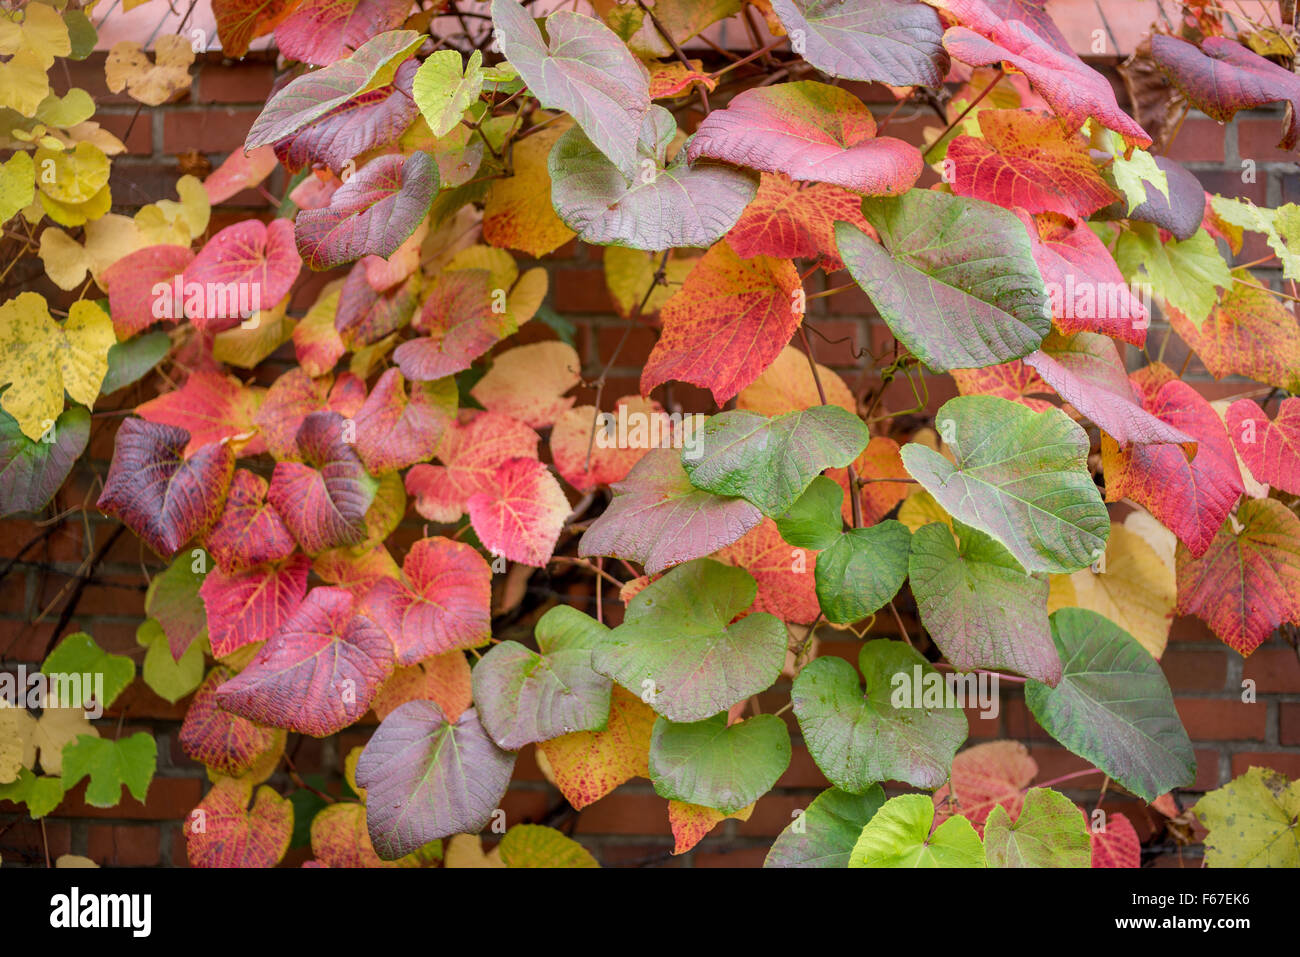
(955, 279)
(235, 835)
(861, 736)
(211, 407)
(1271, 450)
(371, 214)
(252, 605)
(675, 643)
(223, 741)
(163, 497)
(250, 531)
(522, 516)
(824, 834)
(318, 673)
(900, 835)
(1251, 821)
(246, 268)
(394, 430)
(861, 570)
(716, 766)
(527, 696)
(1049, 831)
(587, 765)
(666, 205)
(427, 778)
(1019, 476)
(1113, 706)
(322, 31)
(887, 41)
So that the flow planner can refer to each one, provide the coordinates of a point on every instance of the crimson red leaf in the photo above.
(163, 497)
(318, 673)
(250, 606)
(294, 396)
(238, 172)
(224, 742)
(130, 283)
(322, 31)
(1223, 77)
(1116, 845)
(324, 501)
(246, 267)
(249, 531)
(471, 451)
(808, 131)
(459, 325)
(393, 431)
(791, 221)
(369, 120)
(520, 516)
(364, 315)
(211, 407)
(371, 214)
(1190, 498)
(442, 602)
(1271, 450)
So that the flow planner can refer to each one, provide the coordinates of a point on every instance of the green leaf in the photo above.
(1050, 831)
(899, 836)
(129, 361)
(862, 570)
(531, 845)
(31, 471)
(41, 794)
(1020, 476)
(1252, 821)
(664, 206)
(1134, 174)
(17, 184)
(1113, 706)
(170, 679)
(676, 651)
(955, 279)
(770, 462)
(443, 92)
(978, 604)
(815, 520)
(713, 765)
(860, 736)
(1183, 274)
(1281, 227)
(110, 764)
(78, 655)
(824, 835)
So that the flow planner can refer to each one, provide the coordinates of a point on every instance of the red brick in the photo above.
(1289, 722)
(1194, 670)
(210, 130)
(140, 140)
(580, 290)
(1199, 141)
(1286, 762)
(235, 83)
(1257, 139)
(169, 799)
(25, 840)
(772, 814)
(803, 771)
(725, 857)
(1217, 719)
(1273, 670)
(640, 340)
(625, 812)
(123, 845)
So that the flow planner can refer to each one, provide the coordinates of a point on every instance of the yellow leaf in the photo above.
(194, 208)
(23, 83)
(75, 861)
(787, 385)
(17, 185)
(55, 728)
(77, 214)
(66, 111)
(1132, 586)
(921, 508)
(629, 272)
(153, 83)
(39, 359)
(17, 742)
(518, 213)
(158, 230)
(40, 32)
(466, 850)
(108, 239)
(94, 134)
(246, 347)
(72, 177)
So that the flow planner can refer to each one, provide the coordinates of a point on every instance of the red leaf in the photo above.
(239, 171)
(242, 269)
(521, 515)
(1073, 90)
(356, 569)
(1271, 450)
(163, 497)
(1025, 159)
(250, 606)
(1249, 332)
(729, 322)
(371, 214)
(879, 460)
(1190, 498)
(784, 574)
(393, 431)
(234, 835)
(365, 316)
(323, 502)
(1012, 380)
(441, 603)
(211, 407)
(222, 741)
(294, 396)
(249, 532)
(471, 450)
(808, 131)
(1223, 77)
(369, 120)
(459, 324)
(318, 673)
(788, 221)
(985, 776)
(130, 283)
(1117, 845)
(647, 427)
(322, 31)
(1247, 582)
(1086, 289)
(240, 22)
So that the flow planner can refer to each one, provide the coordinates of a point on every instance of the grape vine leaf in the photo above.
(249, 606)
(111, 764)
(861, 570)
(887, 41)
(32, 470)
(532, 845)
(1249, 332)
(986, 776)
(445, 87)
(1251, 821)
(1049, 831)
(472, 449)
(250, 531)
(225, 742)
(900, 835)
(521, 517)
(716, 765)
(587, 765)
(247, 267)
(323, 31)
(825, 833)
(77, 655)
(785, 588)
(1271, 450)
(1186, 274)
(211, 407)
(169, 678)
(236, 835)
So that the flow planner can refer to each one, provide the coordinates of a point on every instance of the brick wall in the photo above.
(44, 563)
